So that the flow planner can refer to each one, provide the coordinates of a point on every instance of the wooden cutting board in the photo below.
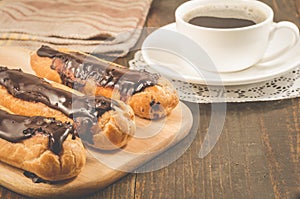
(102, 168)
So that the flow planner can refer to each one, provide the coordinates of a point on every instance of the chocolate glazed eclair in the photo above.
(101, 122)
(150, 95)
(41, 146)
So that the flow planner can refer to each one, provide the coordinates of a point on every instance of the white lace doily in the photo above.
(282, 87)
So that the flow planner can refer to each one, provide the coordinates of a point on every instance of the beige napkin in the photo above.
(93, 26)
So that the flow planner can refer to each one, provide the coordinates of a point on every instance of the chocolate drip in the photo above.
(82, 109)
(75, 69)
(15, 128)
(35, 178)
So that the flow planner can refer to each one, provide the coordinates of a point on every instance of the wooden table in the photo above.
(257, 155)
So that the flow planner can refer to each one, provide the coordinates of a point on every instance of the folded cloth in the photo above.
(93, 26)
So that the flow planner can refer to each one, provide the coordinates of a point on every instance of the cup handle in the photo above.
(277, 26)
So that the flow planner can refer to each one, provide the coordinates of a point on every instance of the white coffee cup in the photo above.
(233, 49)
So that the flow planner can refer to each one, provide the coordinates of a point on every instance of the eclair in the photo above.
(101, 123)
(47, 148)
(150, 95)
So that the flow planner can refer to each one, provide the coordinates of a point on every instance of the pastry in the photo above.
(49, 148)
(150, 95)
(101, 122)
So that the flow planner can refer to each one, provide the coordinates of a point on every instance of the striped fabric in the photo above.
(110, 27)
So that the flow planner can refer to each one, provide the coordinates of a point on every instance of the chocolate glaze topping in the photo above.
(15, 128)
(75, 69)
(82, 109)
(35, 178)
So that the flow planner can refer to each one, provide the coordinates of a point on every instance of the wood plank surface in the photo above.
(257, 155)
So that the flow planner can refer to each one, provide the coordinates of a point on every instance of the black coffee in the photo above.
(218, 22)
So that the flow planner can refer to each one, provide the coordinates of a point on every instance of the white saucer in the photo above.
(176, 67)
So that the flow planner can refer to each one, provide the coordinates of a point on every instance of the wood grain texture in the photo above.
(257, 155)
